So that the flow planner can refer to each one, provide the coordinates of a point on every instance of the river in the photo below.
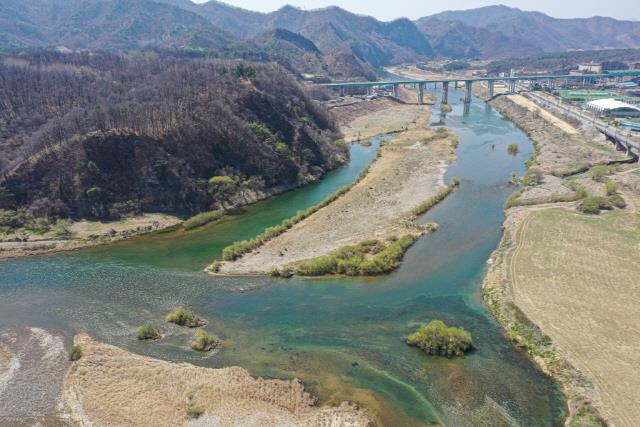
(342, 337)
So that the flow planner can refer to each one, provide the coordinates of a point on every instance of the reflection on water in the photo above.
(342, 337)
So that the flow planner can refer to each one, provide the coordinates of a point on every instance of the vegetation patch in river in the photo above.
(203, 341)
(184, 317)
(149, 332)
(436, 338)
(368, 258)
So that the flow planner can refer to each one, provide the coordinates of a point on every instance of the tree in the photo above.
(222, 187)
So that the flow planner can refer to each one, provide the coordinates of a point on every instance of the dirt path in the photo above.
(109, 386)
(409, 171)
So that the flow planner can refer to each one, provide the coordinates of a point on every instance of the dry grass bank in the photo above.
(109, 386)
(409, 171)
(564, 284)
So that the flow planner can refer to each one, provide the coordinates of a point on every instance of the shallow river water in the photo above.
(342, 337)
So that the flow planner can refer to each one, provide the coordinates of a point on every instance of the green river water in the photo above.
(342, 337)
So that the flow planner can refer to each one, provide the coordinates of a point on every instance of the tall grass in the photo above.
(427, 205)
(202, 219)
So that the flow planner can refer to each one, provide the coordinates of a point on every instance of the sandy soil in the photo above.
(409, 171)
(561, 146)
(109, 386)
(83, 234)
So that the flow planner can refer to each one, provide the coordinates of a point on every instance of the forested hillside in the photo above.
(101, 135)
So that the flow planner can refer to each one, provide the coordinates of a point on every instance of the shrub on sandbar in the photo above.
(436, 338)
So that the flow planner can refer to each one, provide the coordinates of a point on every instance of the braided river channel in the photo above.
(342, 337)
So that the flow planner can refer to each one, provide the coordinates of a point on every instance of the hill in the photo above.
(105, 24)
(539, 31)
(100, 135)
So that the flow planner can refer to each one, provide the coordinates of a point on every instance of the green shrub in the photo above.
(611, 187)
(148, 332)
(203, 219)
(593, 205)
(184, 317)
(513, 149)
(203, 341)
(15, 219)
(195, 412)
(446, 108)
(368, 258)
(599, 172)
(75, 353)
(436, 338)
(617, 201)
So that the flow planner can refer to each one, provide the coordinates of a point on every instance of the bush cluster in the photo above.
(436, 338)
(368, 258)
(149, 332)
(513, 149)
(594, 204)
(203, 219)
(195, 412)
(75, 353)
(203, 341)
(184, 317)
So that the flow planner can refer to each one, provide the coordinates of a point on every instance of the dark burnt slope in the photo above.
(101, 135)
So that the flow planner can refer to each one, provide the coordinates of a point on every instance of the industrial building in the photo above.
(613, 108)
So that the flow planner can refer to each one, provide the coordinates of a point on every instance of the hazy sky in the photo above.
(390, 9)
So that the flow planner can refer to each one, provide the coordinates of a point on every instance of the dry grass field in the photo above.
(112, 387)
(578, 278)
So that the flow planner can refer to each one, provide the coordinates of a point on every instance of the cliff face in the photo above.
(98, 136)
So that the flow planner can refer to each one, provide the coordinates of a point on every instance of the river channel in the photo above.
(342, 337)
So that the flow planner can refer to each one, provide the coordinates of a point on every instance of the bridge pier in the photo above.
(445, 93)
(421, 93)
(396, 91)
(491, 88)
(512, 86)
(467, 92)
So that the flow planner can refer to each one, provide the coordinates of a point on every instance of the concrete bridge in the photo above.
(510, 81)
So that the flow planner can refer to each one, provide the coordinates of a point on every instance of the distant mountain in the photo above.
(301, 56)
(457, 40)
(333, 30)
(105, 24)
(537, 31)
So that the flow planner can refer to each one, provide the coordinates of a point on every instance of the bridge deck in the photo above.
(610, 74)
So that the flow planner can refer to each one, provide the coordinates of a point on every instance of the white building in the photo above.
(612, 108)
(591, 67)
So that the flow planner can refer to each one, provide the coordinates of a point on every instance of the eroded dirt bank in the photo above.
(110, 386)
(409, 171)
(562, 283)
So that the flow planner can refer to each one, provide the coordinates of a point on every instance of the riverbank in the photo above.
(68, 235)
(410, 170)
(561, 281)
(110, 386)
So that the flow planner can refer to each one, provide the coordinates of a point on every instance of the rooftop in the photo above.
(611, 104)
